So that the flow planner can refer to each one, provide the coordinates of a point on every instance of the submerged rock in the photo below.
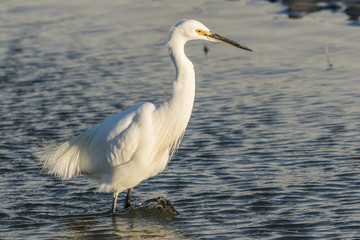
(156, 206)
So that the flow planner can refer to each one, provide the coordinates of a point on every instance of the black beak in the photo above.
(219, 38)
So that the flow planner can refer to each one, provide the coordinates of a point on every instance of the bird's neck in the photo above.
(182, 100)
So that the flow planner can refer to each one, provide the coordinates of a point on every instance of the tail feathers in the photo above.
(65, 160)
(60, 160)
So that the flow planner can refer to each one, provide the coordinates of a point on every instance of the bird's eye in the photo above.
(198, 31)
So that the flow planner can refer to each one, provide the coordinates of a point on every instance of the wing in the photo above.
(119, 137)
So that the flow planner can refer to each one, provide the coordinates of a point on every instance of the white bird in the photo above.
(137, 143)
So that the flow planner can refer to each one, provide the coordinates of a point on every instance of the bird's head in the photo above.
(187, 30)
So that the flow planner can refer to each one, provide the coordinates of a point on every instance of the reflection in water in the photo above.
(124, 224)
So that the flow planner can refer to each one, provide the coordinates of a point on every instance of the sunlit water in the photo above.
(272, 150)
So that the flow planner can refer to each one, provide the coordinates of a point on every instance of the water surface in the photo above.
(272, 149)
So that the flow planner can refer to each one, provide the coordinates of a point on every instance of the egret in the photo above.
(137, 143)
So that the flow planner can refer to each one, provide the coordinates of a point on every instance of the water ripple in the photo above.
(271, 151)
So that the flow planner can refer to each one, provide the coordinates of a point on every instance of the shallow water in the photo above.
(300, 8)
(271, 151)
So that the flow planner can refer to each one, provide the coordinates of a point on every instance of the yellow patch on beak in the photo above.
(203, 32)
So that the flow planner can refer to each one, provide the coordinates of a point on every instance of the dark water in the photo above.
(300, 8)
(271, 152)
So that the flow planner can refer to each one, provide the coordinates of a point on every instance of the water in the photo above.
(300, 8)
(272, 149)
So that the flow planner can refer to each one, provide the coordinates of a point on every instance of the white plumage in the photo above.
(137, 143)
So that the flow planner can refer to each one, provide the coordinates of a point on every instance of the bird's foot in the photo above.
(127, 205)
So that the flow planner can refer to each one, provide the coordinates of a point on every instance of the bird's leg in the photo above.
(128, 198)
(114, 202)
